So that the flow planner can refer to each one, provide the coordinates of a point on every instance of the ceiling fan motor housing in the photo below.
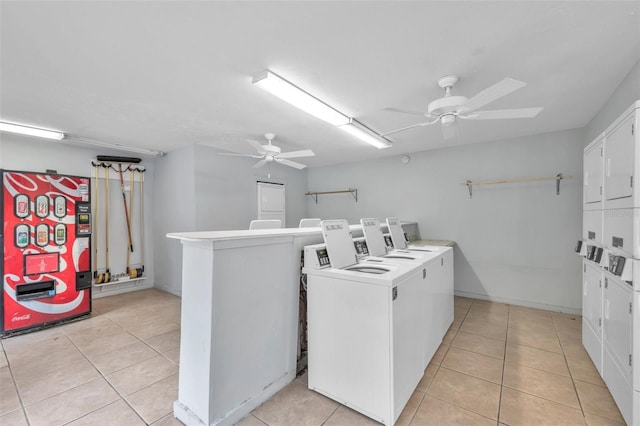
(446, 104)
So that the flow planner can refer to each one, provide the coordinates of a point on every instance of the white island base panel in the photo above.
(239, 324)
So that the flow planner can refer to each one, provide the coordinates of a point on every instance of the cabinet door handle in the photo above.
(606, 309)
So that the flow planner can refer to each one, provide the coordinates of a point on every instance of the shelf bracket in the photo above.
(470, 186)
(558, 179)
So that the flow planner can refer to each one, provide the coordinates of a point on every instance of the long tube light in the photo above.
(30, 131)
(297, 97)
(92, 142)
(365, 134)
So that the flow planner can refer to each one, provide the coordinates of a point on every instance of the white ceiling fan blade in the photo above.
(240, 155)
(450, 131)
(426, 123)
(257, 145)
(289, 163)
(260, 163)
(296, 154)
(503, 113)
(407, 111)
(490, 94)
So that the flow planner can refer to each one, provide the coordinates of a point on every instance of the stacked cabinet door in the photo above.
(619, 163)
(618, 307)
(592, 312)
(618, 342)
(593, 174)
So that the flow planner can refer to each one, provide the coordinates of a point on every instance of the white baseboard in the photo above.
(526, 303)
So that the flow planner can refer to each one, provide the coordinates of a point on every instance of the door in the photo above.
(592, 297)
(619, 164)
(271, 201)
(593, 174)
(617, 323)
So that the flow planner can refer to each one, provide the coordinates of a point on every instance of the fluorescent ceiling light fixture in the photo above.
(365, 134)
(30, 131)
(297, 97)
(78, 140)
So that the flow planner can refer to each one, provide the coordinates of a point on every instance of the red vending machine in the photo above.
(46, 243)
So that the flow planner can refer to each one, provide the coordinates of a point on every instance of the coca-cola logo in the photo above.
(17, 318)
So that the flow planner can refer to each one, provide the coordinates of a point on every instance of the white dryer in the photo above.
(364, 349)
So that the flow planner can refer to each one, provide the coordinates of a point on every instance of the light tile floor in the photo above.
(498, 364)
(119, 367)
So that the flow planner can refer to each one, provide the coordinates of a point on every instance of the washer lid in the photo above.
(373, 236)
(337, 238)
(396, 232)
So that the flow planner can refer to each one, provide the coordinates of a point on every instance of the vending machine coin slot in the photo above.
(83, 219)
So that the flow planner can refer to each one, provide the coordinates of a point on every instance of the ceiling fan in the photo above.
(268, 153)
(449, 108)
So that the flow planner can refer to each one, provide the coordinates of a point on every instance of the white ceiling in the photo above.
(165, 75)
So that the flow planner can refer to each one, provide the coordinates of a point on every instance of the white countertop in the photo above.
(246, 233)
(256, 233)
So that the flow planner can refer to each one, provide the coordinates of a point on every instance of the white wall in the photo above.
(34, 155)
(175, 211)
(199, 190)
(226, 196)
(627, 93)
(514, 241)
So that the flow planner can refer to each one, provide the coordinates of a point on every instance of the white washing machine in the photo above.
(364, 349)
(444, 310)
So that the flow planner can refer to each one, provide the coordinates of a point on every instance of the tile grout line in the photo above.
(15, 386)
(103, 377)
(504, 364)
(573, 382)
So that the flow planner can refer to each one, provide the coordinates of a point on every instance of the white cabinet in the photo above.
(617, 322)
(593, 174)
(365, 348)
(615, 209)
(592, 312)
(618, 343)
(619, 163)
